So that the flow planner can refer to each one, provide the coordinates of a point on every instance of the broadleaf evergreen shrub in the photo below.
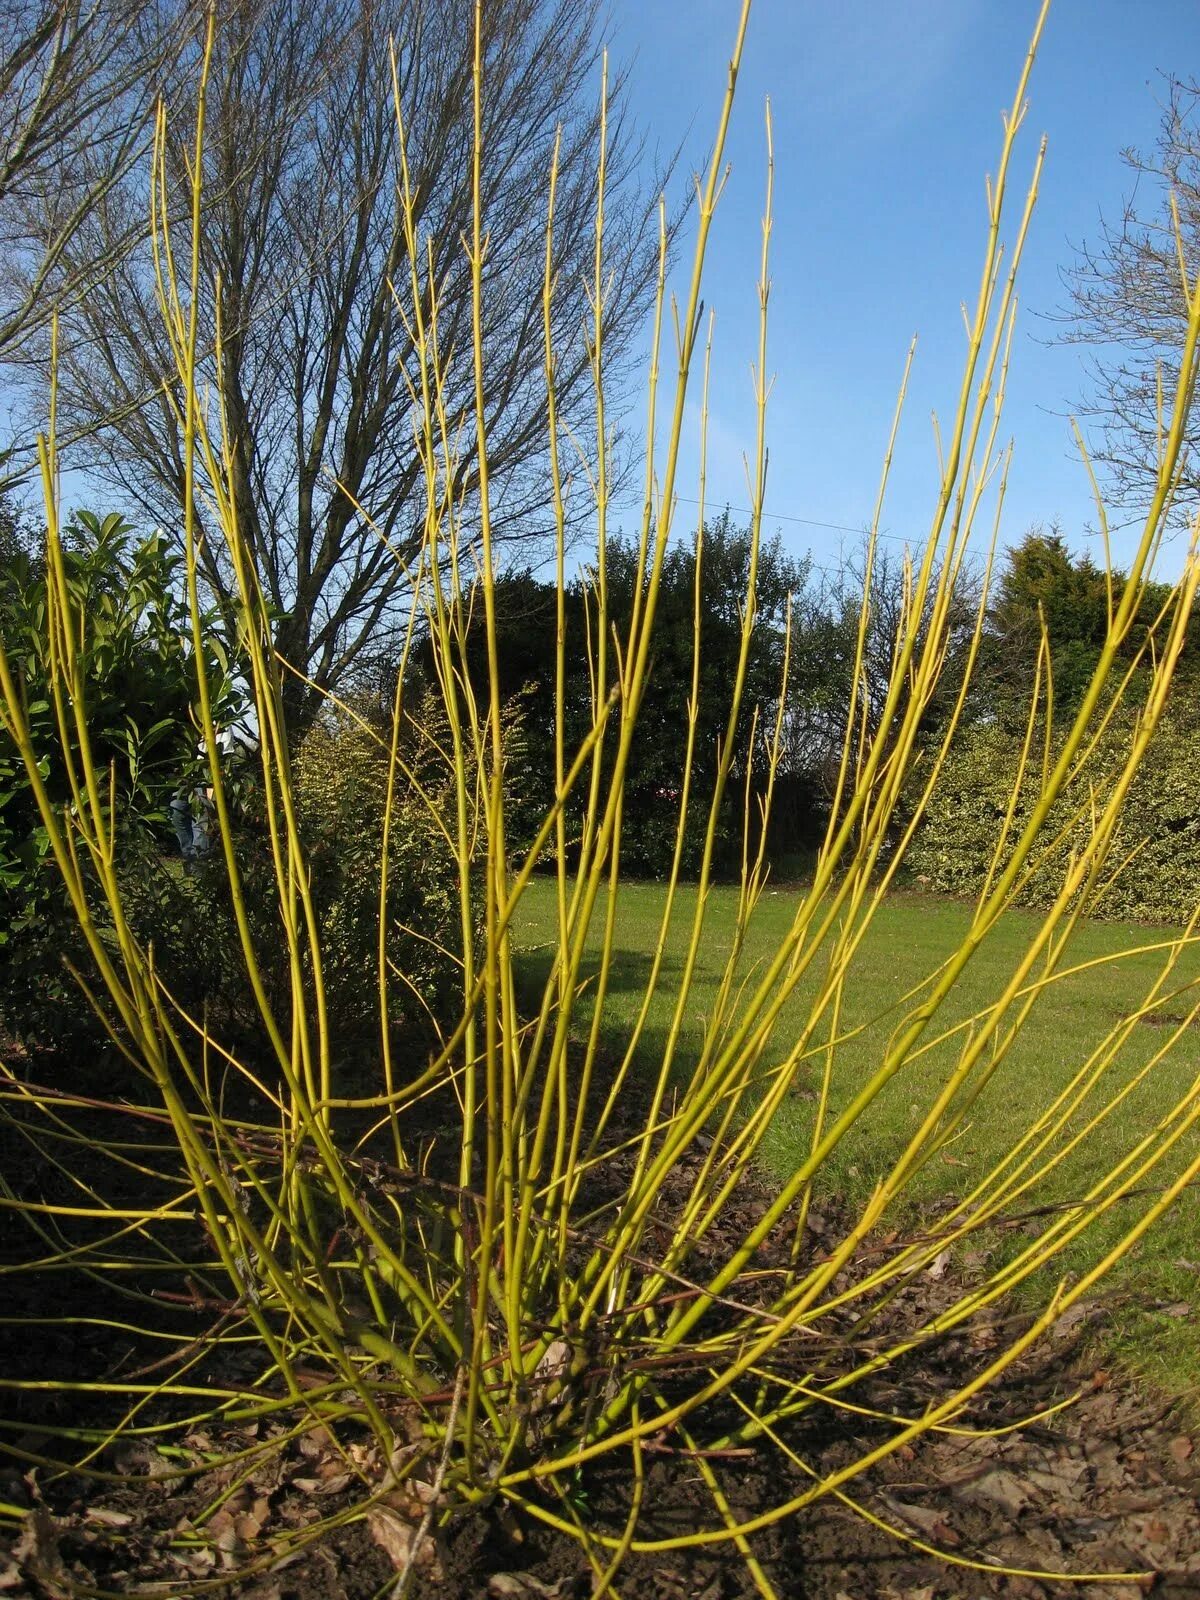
(137, 666)
(1046, 623)
(339, 779)
(1158, 838)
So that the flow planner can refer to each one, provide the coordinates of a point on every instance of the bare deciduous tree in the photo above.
(78, 79)
(302, 231)
(1128, 301)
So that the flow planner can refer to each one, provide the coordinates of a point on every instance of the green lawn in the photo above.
(910, 937)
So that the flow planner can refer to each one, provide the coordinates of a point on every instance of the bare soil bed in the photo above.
(1110, 1484)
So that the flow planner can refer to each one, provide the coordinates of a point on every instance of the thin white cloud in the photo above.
(862, 68)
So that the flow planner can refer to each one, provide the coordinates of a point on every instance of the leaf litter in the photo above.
(1109, 1484)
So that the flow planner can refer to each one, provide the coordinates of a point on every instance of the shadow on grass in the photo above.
(628, 974)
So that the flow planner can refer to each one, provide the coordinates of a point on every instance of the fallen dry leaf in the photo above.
(335, 1483)
(222, 1530)
(982, 1336)
(1000, 1488)
(107, 1518)
(36, 1549)
(927, 1520)
(1181, 1447)
(554, 1365)
(520, 1586)
(395, 1535)
(1061, 1478)
(937, 1268)
(1070, 1320)
(392, 1534)
(250, 1523)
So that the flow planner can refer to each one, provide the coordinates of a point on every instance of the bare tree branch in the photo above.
(1127, 300)
(302, 231)
(78, 79)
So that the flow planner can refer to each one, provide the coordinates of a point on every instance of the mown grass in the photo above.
(910, 937)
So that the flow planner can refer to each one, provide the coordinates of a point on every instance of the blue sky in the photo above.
(887, 118)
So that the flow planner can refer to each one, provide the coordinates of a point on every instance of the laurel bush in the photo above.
(1157, 846)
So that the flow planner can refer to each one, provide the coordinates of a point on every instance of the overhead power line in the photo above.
(805, 522)
(779, 516)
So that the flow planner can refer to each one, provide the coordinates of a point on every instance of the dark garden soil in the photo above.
(1110, 1484)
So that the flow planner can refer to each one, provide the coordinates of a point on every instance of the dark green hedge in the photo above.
(1160, 820)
